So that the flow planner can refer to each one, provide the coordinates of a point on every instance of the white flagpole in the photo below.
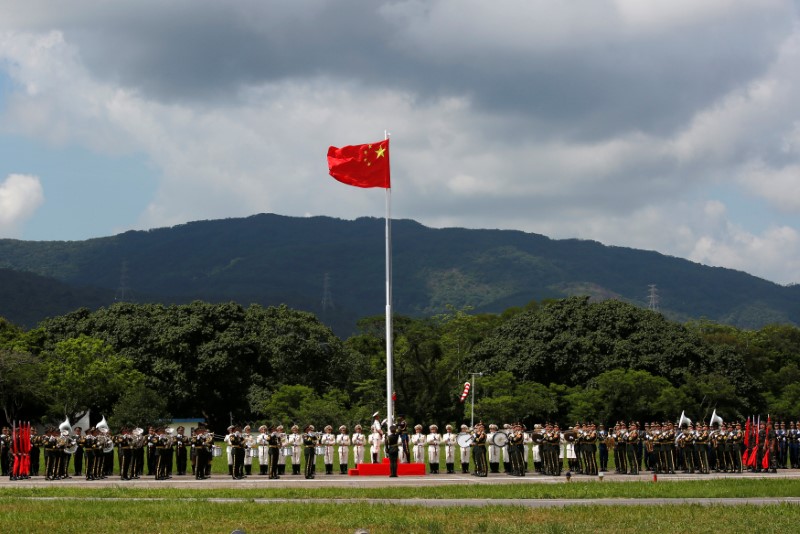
(389, 333)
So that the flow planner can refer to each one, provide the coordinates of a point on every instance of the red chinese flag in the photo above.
(361, 165)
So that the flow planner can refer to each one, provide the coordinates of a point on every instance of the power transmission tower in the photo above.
(123, 290)
(327, 296)
(652, 300)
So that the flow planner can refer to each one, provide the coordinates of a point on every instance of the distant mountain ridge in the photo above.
(273, 259)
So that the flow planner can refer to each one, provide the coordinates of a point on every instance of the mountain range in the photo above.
(336, 269)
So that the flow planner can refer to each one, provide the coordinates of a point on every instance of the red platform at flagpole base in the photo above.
(382, 470)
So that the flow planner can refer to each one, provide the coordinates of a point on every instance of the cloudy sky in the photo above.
(667, 125)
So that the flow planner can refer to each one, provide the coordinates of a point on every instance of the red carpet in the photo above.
(382, 470)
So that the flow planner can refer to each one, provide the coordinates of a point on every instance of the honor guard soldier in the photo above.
(402, 432)
(493, 451)
(262, 441)
(284, 443)
(376, 442)
(295, 442)
(433, 439)
(418, 445)
(359, 442)
(449, 441)
(229, 448)
(328, 440)
(465, 452)
(343, 443)
(249, 450)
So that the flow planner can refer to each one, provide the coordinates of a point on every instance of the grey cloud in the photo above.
(584, 86)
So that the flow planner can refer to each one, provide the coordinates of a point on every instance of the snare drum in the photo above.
(320, 449)
(250, 453)
(287, 451)
(216, 451)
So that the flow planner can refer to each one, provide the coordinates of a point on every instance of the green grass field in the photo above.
(122, 508)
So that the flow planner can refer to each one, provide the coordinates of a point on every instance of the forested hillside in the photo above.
(335, 269)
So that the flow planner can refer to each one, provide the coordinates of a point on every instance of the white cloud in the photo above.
(634, 175)
(20, 196)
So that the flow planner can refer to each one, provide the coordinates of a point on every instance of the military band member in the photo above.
(418, 445)
(295, 441)
(516, 448)
(794, 445)
(465, 452)
(151, 450)
(633, 449)
(237, 448)
(77, 457)
(35, 453)
(449, 441)
(479, 451)
(163, 454)
(200, 447)
(5, 451)
(433, 439)
(310, 441)
(328, 440)
(181, 446)
(602, 437)
(590, 450)
(376, 444)
(124, 443)
(343, 442)
(274, 441)
(359, 442)
(702, 441)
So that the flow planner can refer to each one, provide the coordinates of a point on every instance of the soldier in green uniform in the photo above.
(310, 441)
(393, 445)
(479, 451)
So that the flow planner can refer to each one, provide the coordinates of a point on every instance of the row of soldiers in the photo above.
(657, 447)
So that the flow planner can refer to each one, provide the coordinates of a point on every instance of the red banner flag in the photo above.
(361, 165)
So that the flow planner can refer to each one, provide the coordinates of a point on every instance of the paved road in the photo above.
(327, 481)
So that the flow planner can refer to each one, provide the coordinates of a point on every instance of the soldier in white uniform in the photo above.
(249, 450)
(295, 441)
(493, 450)
(376, 424)
(229, 449)
(449, 441)
(263, 449)
(418, 445)
(343, 441)
(375, 445)
(328, 440)
(465, 453)
(281, 455)
(526, 449)
(359, 442)
(433, 439)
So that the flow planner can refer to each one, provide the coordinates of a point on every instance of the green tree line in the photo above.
(561, 360)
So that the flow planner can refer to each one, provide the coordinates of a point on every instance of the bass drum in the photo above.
(500, 439)
(464, 439)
